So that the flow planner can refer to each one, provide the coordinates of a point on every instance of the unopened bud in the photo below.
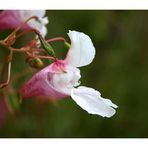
(36, 63)
(46, 46)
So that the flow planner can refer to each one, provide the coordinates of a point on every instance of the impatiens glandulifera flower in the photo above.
(11, 19)
(61, 79)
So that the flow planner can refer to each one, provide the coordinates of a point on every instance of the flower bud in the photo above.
(36, 63)
(46, 46)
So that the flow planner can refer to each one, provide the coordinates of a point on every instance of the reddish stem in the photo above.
(26, 31)
(56, 39)
(20, 26)
(46, 57)
(8, 77)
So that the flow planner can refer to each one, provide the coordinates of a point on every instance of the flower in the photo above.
(61, 79)
(11, 19)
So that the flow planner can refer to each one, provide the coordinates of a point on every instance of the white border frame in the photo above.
(75, 4)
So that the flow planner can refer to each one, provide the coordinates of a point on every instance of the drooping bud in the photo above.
(46, 46)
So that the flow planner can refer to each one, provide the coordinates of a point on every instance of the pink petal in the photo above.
(9, 19)
(41, 83)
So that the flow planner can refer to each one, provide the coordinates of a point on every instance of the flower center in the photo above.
(66, 79)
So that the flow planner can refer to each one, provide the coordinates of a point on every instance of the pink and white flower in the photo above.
(61, 79)
(10, 19)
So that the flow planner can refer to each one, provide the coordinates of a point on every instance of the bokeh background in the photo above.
(119, 71)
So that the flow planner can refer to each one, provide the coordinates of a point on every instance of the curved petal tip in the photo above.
(82, 51)
(91, 101)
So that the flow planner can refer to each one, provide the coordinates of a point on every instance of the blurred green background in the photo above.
(119, 71)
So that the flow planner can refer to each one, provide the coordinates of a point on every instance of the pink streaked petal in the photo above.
(41, 83)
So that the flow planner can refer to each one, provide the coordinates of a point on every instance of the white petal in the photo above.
(91, 101)
(66, 79)
(25, 14)
(39, 25)
(42, 29)
(82, 51)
